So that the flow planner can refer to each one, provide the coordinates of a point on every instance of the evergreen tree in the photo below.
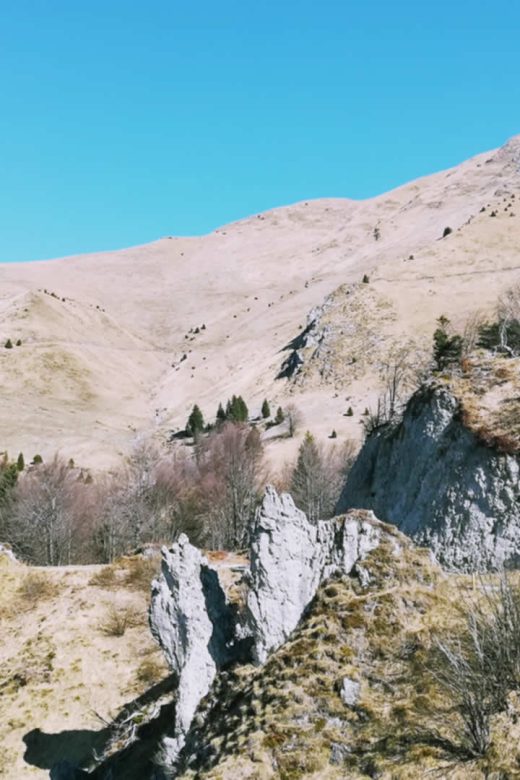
(221, 415)
(37, 459)
(20, 463)
(242, 410)
(195, 424)
(280, 417)
(236, 410)
(266, 411)
(446, 349)
(8, 344)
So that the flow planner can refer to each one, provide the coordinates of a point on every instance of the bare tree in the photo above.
(50, 514)
(481, 666)
(294, 419)
(231, 476)
(472, 331)
(508, 313)
(401, 374)
(318, 477)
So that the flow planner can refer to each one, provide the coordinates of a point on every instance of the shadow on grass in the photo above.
(75, 750)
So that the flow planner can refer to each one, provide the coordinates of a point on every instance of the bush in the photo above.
(119, 618)
(36, 587)
(37, 459)
(150, 672)
(446, 232)
(479, 669)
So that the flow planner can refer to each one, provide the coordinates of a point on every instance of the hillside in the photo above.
(74, 649)
(103, 336)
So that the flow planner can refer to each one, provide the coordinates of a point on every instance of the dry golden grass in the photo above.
(287, 719)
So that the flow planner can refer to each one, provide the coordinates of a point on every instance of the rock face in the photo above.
(432, 478)
(191, 620)
(200, 632)
(290, 557)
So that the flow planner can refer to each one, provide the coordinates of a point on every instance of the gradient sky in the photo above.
(122, 121)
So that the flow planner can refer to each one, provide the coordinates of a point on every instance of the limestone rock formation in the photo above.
(439, 484)
(190, 618)
(290, 557)
(201, 632)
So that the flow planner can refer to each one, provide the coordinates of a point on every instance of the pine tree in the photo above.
(195, 424)
(8, 344)
(280, 417)
(266, 411)
(221, 415)
(20, 463)
(242, 410)
(446, 349)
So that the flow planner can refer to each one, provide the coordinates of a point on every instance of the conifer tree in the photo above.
(20, 463)
(266, 411)
(221, 415)
(280, 417)
(195, 424)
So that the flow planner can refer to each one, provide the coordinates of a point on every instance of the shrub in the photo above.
(481, 667)
(105, 577)
(37, 459)
(119, 618)
(446, 232)
(150, 672)
(36, 587)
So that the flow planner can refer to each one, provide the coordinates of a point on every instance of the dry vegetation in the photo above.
(288, 720)
(62, 661)
(489, 394)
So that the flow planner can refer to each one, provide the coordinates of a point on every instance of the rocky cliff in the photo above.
(441, 484)
(202, 632)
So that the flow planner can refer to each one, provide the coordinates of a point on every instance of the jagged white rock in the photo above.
(197, 628)
(188, 618)
(290, 557)
(438, 484)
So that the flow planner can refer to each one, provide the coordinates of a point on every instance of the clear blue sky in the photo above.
(122, 121)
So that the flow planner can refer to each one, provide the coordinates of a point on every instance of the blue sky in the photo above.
(122, 121)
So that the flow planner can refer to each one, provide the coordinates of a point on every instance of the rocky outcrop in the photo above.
(439, 484)
(6, 551)
(201, 632)
(290, 557)
(191, 620)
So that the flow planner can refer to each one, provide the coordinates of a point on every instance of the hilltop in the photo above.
(104, 336)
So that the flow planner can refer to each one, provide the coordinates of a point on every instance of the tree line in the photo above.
(52, 513)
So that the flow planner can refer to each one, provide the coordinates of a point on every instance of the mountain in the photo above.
(104, 336)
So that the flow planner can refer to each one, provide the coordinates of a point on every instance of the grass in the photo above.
(119, 618)
(36, 587)
(289, 713)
